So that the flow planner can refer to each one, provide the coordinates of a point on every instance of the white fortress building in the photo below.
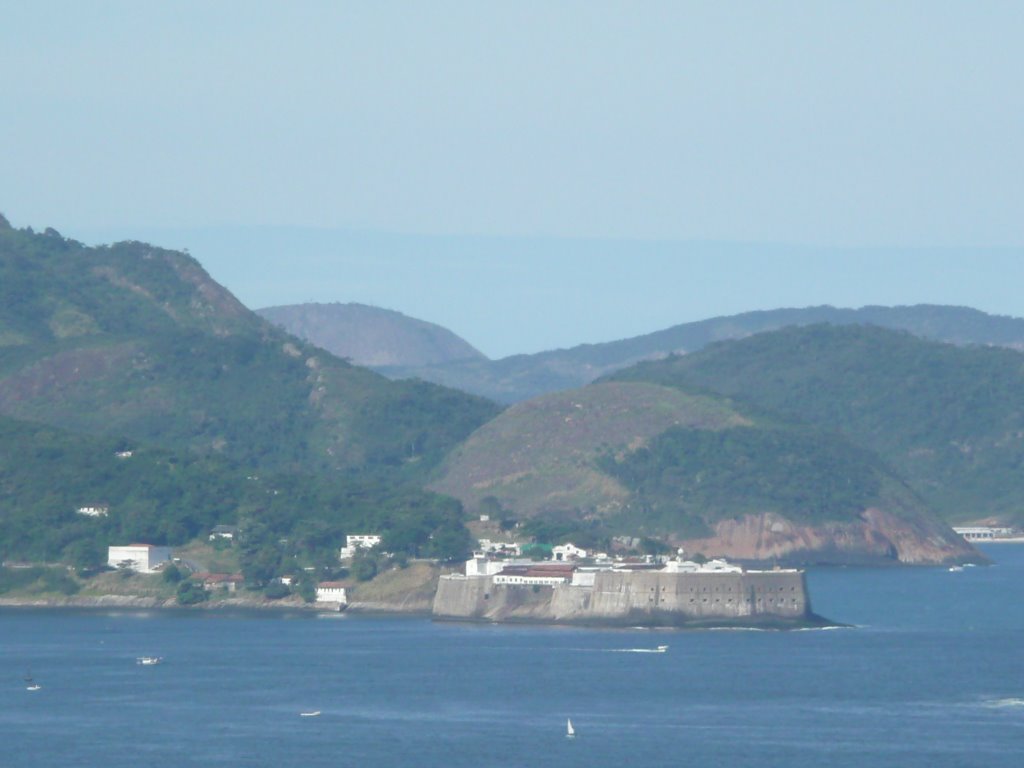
(988, 533)
(143, 558)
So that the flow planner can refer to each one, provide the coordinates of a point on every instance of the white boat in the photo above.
(30, 684)
(955, 568)
(662, 648)
(570, 732)
(315, 713)
(149, 661)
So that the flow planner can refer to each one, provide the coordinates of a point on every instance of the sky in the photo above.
(533, 174)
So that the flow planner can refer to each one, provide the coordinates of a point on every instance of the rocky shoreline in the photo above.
(107, 602)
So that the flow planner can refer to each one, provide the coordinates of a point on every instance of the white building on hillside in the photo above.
(983, 532)
(357, 541)
(499, 547)
(144, 558)
(331, 592)
(223, 532)
(567, 552)
(100, 510)
(481, 565)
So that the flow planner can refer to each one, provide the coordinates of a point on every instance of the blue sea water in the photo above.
(931, 674)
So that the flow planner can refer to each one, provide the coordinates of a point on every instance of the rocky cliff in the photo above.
(876, 538)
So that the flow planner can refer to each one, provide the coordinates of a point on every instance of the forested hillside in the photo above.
(162, 497)
(229, 419)
(138, 341)
(949, 419)
(629, 458)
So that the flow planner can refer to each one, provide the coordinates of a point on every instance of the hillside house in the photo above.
(331, 592)
(504, 548)
(223, 532)
(357, 541)
(227, 581)
(567, 552)
(142, 558)
(99, 510)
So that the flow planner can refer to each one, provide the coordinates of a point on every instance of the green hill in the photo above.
(230, 418)
(949, 419)
(521, 377)
(539, 456)
(163, 497)
(634, 459)
(138, 341)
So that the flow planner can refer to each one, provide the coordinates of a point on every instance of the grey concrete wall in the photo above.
(647, 598)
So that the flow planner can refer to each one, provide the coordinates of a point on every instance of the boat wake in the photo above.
(1003, 703)
(829, 628)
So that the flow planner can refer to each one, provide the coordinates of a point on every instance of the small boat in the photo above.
(315, 713)
(570, 732)
(30, 684)
(662, 648)
(149, 661)
(955, 568)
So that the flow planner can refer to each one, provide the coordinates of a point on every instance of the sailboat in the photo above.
(30, 684)
(570, 732)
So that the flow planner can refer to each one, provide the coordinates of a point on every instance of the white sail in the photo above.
(569, 730)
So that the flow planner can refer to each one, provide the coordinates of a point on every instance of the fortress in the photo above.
(676, 594)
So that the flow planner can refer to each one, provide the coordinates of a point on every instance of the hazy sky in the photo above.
(533, 174)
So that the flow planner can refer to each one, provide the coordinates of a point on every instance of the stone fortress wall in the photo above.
(636, 598)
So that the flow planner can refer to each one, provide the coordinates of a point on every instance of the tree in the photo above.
(191, 593)
(276, 590)
(451, 544)
(173, 574)
(651, 546)
(364, 567)
(305, 586)
(84, 554)
(489, 505)
(260, 566)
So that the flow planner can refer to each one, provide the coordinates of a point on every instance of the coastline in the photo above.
(764, 624)
(107, 602)
(378, 608)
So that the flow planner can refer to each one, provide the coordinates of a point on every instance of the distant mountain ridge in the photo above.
(371, 336)
(521, 377)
